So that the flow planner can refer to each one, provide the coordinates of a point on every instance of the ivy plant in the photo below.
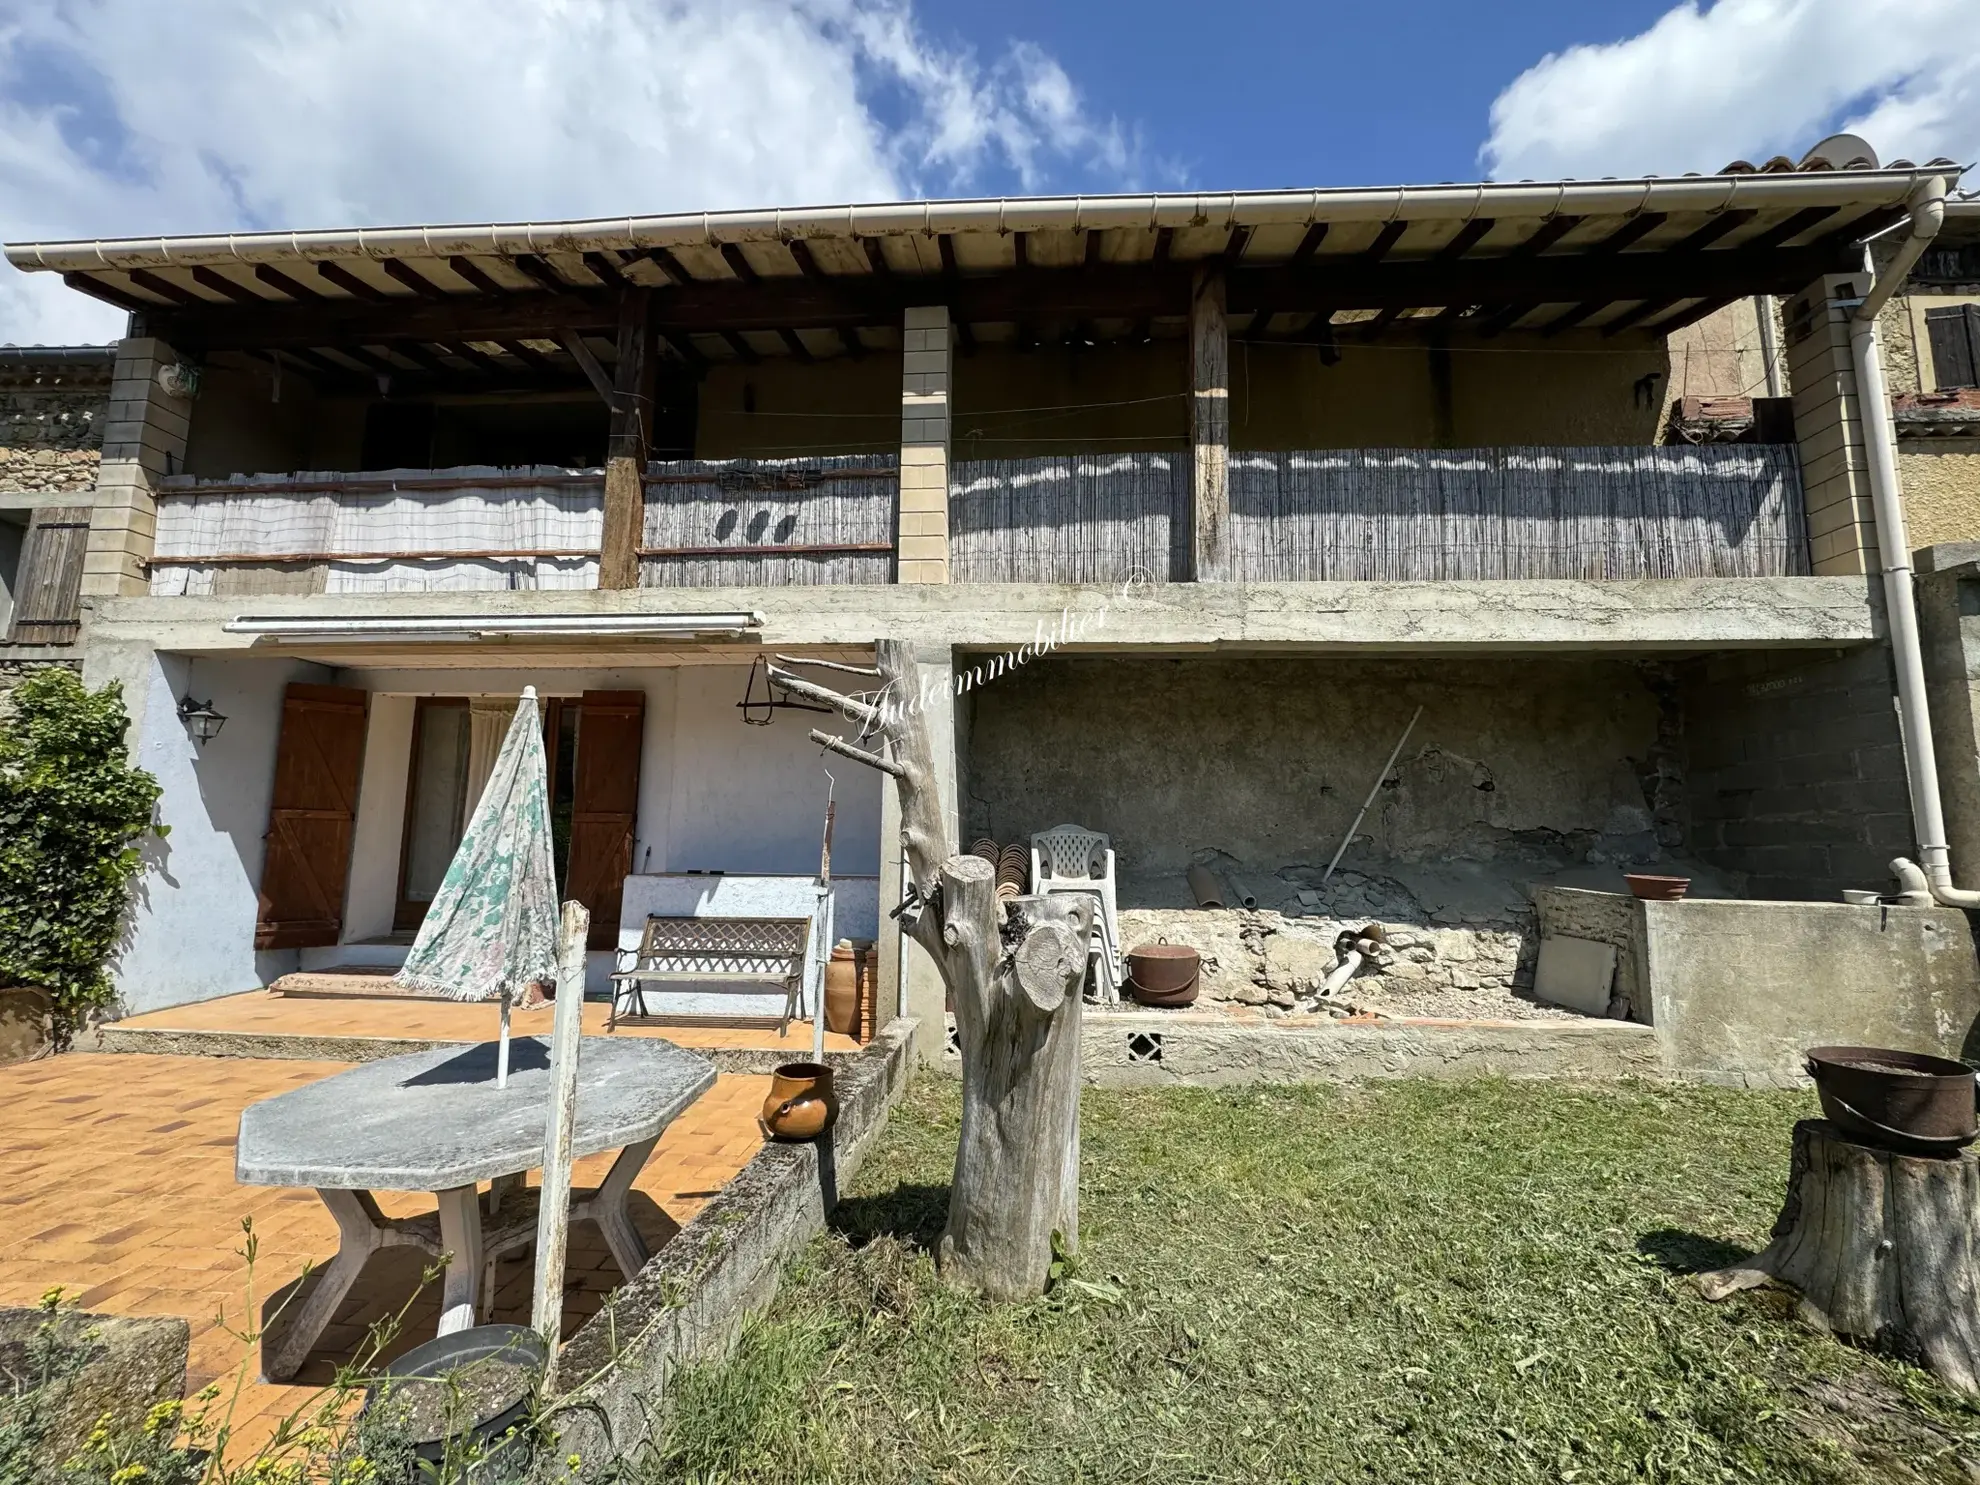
(72, 811)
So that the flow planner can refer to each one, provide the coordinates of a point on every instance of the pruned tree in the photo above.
(1014, 977)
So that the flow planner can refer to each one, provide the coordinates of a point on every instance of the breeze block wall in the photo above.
(1794, 772)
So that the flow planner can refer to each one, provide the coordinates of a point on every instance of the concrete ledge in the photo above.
(1212, 1051)
(164, 1041)
(1464, 616)
(689, 1303)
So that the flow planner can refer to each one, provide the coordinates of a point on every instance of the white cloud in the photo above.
(128, 117)
(1746, 79)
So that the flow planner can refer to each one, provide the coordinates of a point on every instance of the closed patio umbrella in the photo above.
(492, 928)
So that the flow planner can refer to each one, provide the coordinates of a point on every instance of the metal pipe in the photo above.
(1373, 789)
(1496, 200)
(1928, 819)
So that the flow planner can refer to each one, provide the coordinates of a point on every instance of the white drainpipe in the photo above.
(1928, 815)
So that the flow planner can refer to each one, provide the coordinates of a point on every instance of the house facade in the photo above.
(1191, 505)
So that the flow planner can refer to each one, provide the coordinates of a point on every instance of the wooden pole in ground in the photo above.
(553, 1217)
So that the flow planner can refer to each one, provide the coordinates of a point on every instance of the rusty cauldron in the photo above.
(1909, 1102)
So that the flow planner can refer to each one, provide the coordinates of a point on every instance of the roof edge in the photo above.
(1499, 200)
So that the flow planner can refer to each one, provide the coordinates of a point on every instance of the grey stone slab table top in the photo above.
(435, 1120)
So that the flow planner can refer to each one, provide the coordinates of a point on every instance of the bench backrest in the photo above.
(761, 948)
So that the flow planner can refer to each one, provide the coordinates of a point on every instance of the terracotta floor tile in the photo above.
(143, 1215)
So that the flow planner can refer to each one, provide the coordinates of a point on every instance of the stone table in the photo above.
(435, 1121)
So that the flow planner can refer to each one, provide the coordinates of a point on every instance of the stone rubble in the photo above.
(1477, 967)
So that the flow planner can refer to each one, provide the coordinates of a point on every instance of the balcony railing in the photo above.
(1722, 510)
(708, 523)
(1391, 514)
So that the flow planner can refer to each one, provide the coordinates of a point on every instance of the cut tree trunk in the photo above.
(1014, 978)
(1881, 1247)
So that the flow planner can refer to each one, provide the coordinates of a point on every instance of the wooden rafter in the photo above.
(219, 283)
(283, 284)
(473, 273)
(165, 289)
(540, 271)
(350, 283)
(404, 273)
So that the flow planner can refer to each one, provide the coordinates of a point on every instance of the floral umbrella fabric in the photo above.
(492, 929)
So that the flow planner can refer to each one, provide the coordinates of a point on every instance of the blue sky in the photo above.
(136, 118)
(1282, 94)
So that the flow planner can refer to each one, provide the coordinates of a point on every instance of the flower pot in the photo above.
(463, 1393)
(1650, 888)
(842, 990)
(801, 1105)
(1164, 974)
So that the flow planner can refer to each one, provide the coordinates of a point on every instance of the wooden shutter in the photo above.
(308, 860)
(48, 583)
(1955, 337)
(604, 805)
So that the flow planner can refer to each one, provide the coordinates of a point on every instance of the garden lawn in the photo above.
(1413, 1281)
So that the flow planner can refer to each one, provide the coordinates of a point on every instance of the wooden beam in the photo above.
(219, 283)
(795, 346)
(1693, 314)
(1387, 238)
(808, 268)
(421, 357)
(1571, 317)
(151, 283)
(876, 257)
(607, 271)
(1165, 242)
(290, 288)
(745, 352)
(1551, 232)
(1647, 309)
(541, 271)
(1371, 329)
(1116, 291)
(573, 344)
(404, 273)
(739, 265)
(350, 283)
(467, 268)
(1234, 246)
(631, 399)
(1310, 244)
(668, 264)
(531, 357)
(480, 360)
(1467, 238)
(108, 293)
(684, 349)
(945, 245)
(1091, 249)
(1210, 429)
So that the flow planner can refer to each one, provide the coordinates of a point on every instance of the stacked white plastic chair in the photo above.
(1069, 858)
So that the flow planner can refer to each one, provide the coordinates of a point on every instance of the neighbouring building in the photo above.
(1290, 473)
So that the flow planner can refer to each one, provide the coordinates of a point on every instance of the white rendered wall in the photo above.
(192, 922)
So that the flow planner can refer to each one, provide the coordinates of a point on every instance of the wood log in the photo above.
(1015, 981)
(1881, 1247)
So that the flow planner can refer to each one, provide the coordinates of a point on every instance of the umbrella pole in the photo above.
(502, 1055)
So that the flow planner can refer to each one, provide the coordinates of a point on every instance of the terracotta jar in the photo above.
(842, 990)
(801, 1105)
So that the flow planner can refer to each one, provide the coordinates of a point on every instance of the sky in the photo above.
(133, 118)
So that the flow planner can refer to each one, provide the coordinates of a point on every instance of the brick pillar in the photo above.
(144, 438)
(924, 512)
(1835, 477)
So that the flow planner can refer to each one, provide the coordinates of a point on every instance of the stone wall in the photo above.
(1794, 773)
(51, 427)
(1941, 483)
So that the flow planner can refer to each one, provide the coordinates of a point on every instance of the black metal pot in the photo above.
(1910, 1102)
(504, 1458)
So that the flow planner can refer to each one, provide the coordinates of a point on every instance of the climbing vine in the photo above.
(72, 810)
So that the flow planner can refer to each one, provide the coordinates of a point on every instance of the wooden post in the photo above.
(625, 457)
(1210, 430)
(553, 1216)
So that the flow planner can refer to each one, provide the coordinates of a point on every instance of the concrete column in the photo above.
(144, 438)
(1835, 479)
(1210, 430)
(924, 515)
(925, 990)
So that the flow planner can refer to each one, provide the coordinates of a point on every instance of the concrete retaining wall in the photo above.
(1737, 990)
(689, 1303)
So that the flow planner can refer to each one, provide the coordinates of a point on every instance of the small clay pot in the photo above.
(801, 1105)
(1164, 974)
(842, 990)
(1656, 889)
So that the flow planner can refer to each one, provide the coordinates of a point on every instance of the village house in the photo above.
(1575, 487)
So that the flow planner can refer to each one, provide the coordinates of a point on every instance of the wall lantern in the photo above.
(201, 720)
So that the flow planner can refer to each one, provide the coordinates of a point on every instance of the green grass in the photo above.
(1413, 1281)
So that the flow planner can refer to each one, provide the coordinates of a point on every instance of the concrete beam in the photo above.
(1652, 615)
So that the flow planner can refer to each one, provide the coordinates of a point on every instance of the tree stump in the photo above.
(1881, 1247)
